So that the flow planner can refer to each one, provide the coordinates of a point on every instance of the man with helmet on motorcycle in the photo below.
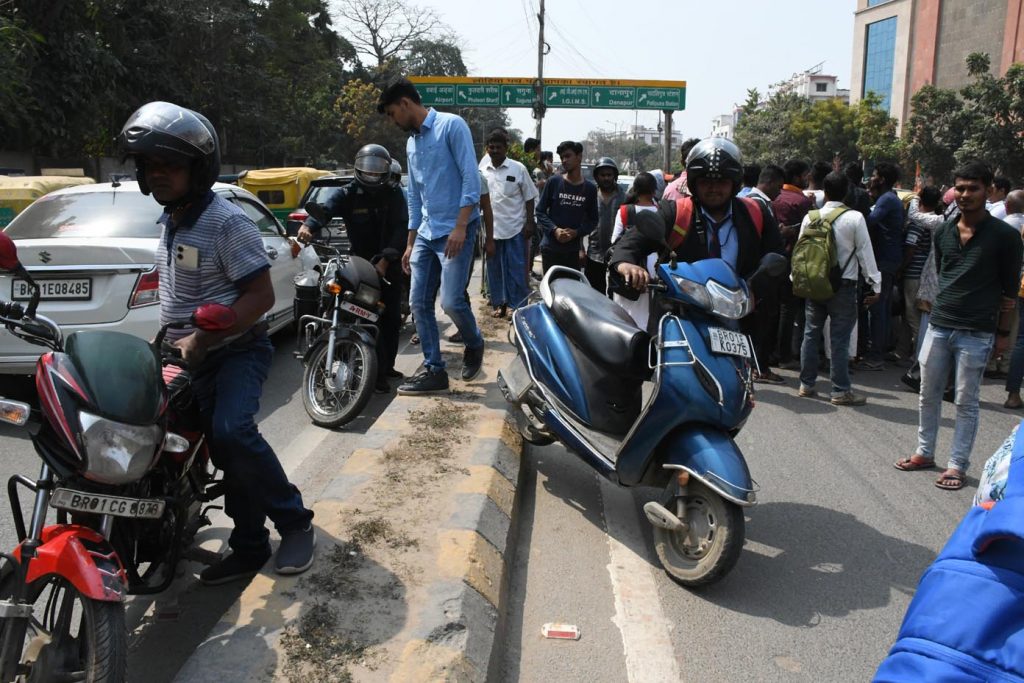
(609, 198)
(376, 220)
(712, 223)
(211, 251)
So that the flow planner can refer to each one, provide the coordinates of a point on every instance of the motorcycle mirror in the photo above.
(8, 254)
(773, 265)
(214, 317)
(317, 211)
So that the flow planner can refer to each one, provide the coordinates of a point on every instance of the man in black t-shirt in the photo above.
(567, 211)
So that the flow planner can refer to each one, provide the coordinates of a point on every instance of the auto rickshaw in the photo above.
(280, 188)
(17, 192)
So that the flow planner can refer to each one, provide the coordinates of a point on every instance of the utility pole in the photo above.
(667, 168)
(538, 87)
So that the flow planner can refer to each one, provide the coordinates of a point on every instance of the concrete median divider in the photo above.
(415, 535)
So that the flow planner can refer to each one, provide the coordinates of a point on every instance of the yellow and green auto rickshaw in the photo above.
(17, 192)
(279, 188)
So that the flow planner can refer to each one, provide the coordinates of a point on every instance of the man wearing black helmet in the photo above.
(713, 223)
(609, 198)
(211, 251)
(376, 217)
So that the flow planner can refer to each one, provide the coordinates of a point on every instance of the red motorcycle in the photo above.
(127, 470)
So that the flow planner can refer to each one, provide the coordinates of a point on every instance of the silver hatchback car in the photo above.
(92, 250)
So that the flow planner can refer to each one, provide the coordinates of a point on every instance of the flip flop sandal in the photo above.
(912, 465)
(956, 481)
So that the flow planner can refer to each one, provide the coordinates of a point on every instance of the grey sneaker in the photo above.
(849, 399)
(426, 382)
(807, 392)
(295, 554)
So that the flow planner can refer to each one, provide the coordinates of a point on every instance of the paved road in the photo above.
(834, 551)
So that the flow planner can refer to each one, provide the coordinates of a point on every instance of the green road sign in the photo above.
(477, 96)
(517, 95)
(612, 98)
(564, 93)
(439, 95)
(567, 96)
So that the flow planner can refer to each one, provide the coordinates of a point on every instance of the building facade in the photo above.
(901, 45)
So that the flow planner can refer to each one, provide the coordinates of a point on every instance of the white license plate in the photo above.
(76, 289)
(729, 342)
(359, 310)
(79, 501)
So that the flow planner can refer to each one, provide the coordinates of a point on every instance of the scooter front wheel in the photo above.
(710, 545)
(335, 396)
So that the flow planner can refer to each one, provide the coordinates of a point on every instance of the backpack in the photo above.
(627, 215)
(815, 262)
(684, 218)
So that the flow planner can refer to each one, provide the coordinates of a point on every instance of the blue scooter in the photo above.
(646, 411)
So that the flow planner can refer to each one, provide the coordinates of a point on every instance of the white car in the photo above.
(92, 250)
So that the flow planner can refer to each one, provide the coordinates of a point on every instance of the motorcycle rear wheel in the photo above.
(709, 549)
(333, 403)
(70, 636)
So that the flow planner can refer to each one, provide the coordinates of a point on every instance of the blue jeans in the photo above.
(1015, 375)
(941, 348)
(841, 309)
(433, 271)
(227, 388)
(880, 319)
(506, 273)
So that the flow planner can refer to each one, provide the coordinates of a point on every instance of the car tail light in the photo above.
(298, 216)
(147, 290)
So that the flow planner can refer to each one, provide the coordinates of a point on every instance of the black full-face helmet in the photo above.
(606, 162)
(172, 132)
(373, 166)
(714, 158)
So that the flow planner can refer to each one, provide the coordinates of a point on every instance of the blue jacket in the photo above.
(966, 621)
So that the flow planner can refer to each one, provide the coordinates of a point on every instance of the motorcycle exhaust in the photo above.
(659, 516)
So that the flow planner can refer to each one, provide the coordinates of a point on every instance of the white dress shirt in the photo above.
(851, 236)
(511, 186)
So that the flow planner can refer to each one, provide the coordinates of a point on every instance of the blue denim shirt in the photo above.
(443, 175)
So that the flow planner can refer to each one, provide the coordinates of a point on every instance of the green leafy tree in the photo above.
(936, 129)
(764, 132)
(827, 130)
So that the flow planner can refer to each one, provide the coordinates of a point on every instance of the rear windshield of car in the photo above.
(323, 194)
(116, 213)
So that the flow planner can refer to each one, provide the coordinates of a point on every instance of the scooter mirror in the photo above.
(773, 265)
(317, 211)
(8, 254)
(214, 317)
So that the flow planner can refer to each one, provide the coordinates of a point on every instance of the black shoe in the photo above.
(295, 554)
(393, 374)
(912, 381)
(427, 382)
(789, 365)
(234, 567)
(455, 338)
(382, 386)
(472, 359)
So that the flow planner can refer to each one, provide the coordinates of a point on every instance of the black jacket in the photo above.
(377, 222)
(633, 247)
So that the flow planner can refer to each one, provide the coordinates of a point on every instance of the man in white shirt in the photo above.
(853, 249)
(997, 197)
(513, 195)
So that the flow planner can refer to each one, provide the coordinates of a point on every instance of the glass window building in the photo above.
(879, 57)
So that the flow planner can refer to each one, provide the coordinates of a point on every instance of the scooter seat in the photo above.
(600, 327)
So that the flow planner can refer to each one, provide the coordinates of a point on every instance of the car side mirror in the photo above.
(8, 254)
(318, 212)
(214, 317)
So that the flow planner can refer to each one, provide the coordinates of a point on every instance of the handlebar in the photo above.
(28, 325)
(12, 309)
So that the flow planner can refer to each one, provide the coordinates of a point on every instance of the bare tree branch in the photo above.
(383, 29)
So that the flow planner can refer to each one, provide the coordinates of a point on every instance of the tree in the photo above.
(935, 131)
(384, 30)
(827, 130)
(430, 57)
(764, 132)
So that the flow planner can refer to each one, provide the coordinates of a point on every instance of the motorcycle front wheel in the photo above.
(335, 396)
(70, 637)
(712, 542)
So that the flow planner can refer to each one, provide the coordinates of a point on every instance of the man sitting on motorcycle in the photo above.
(211, 251)
(377, 220)
(712, 223)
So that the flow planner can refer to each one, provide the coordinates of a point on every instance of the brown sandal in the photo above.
(913, 463)
(950, 480)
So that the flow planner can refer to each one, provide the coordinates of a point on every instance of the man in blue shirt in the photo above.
(444, 192)
(885, 225)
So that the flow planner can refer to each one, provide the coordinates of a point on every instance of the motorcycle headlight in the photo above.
(118, 453)
(695, 291)
(728, 303)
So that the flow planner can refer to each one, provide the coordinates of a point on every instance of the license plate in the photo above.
(729, 342)
(76, 289)
(79, 501)
(359, 310)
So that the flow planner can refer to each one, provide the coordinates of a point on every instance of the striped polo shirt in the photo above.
(213, 250)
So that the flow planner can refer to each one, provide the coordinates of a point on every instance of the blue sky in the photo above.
(720, 48)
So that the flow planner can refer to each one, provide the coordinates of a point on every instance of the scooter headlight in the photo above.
(728, 303)
(118, 453)
(695, 291)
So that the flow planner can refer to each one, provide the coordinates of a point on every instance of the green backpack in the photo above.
(815, 263)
